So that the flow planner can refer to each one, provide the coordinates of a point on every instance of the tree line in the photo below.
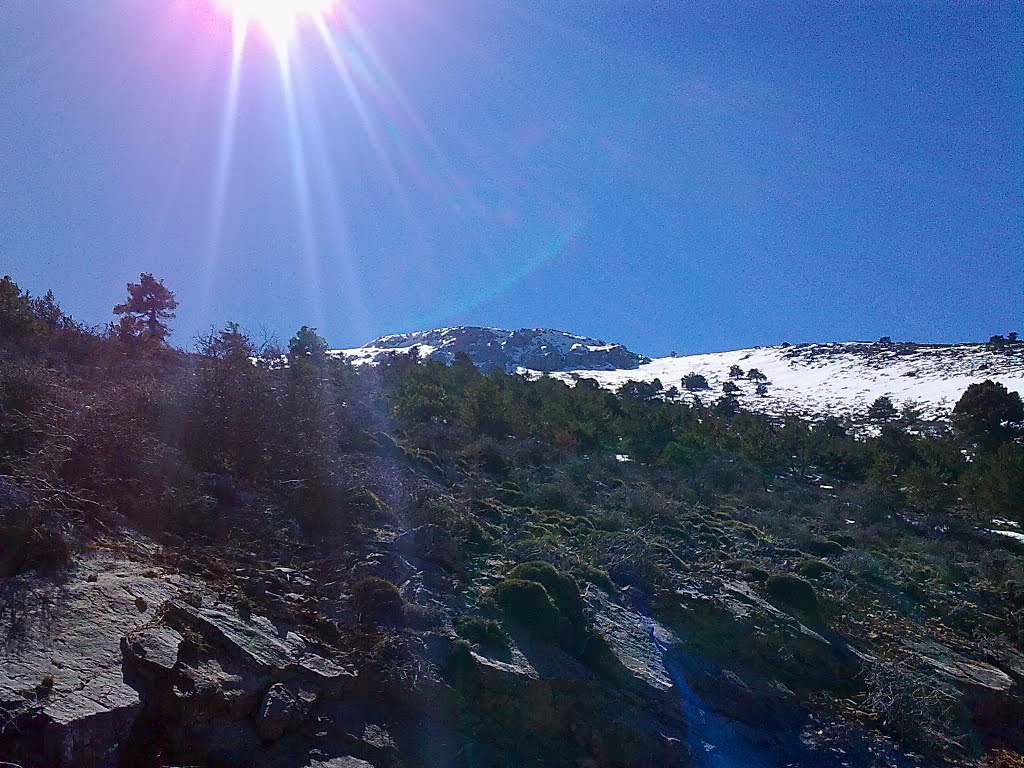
(117, 417)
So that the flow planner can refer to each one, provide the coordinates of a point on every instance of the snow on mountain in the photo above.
(814, 380)
(535, 349)
(810, 380)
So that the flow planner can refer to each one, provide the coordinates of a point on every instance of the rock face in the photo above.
(62, 662)
(609, 702)
(990, 697)
(536, 705)
(284, 708)
(533, 348)
(727, 621)
(233, 687)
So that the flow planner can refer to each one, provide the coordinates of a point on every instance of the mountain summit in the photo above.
(536, 349)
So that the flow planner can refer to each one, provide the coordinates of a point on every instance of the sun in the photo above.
(278, 18)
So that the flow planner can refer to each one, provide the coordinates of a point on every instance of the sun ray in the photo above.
(279, 19)
(408, 156)
(225, 154)
(300, 182)
(343, 69)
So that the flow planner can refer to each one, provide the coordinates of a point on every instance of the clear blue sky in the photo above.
(667, 174)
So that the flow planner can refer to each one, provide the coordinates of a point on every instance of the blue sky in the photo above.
(669, 175)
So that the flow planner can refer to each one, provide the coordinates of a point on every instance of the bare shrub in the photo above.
(917, 710)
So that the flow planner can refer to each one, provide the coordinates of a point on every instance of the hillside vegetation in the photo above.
(431, 528)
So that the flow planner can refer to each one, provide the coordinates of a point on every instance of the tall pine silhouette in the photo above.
(145, 313)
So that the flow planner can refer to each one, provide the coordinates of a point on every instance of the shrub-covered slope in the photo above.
(211, 561)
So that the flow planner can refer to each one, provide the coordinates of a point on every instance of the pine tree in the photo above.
(882, 409)
(307, 344)
(989, 414)
(145, 313)
(17, 321)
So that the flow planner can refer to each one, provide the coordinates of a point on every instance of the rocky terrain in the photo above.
(671, 649)
(532, 348)
(209, 558)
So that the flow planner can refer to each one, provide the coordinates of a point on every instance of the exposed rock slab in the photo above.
(730, 622)
(258, 642)
(636, 640)
(991, 696)
(283, 709)
(341, 762)
(66, 658)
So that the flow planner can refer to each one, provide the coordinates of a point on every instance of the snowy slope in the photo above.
(813, 380)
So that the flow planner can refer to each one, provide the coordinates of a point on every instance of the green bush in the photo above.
(562, 589)
(552, 496)
(793, 592)
(825, 548)
(480, 631)
(527, 603)
(814, 569)
(376, 598)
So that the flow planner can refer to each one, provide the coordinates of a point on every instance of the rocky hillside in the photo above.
(208, 558)
(532, 348)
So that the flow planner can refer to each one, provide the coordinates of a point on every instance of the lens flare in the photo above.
(278, 18)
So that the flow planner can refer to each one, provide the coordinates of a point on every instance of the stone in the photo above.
(258, 642)
(73, 635)
(638, 642)
(989, 694)
(388, 566)
(729, 622)
(153, 649)
(966, 673)
(568, 707)
(341, 762)
(218, 689)
(281, 710)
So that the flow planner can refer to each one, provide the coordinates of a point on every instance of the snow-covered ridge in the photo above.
(537, 349)
(814, 380)
(810, 380)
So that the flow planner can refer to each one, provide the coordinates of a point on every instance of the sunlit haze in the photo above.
(279, 18)
(668, 175)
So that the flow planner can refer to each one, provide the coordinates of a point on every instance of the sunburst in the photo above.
(277, 18)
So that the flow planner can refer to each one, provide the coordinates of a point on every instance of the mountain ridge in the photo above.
(536, 349)
(809, 379)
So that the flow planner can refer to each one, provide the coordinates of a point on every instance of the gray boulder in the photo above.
(64, 658)
(283, 709)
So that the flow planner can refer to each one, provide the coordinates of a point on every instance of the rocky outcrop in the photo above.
(284, 708)
(223, 686)
(532, 348)
(259, 643)
(62, 665)
(990, 697)
(728, 622)
(569, 712)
